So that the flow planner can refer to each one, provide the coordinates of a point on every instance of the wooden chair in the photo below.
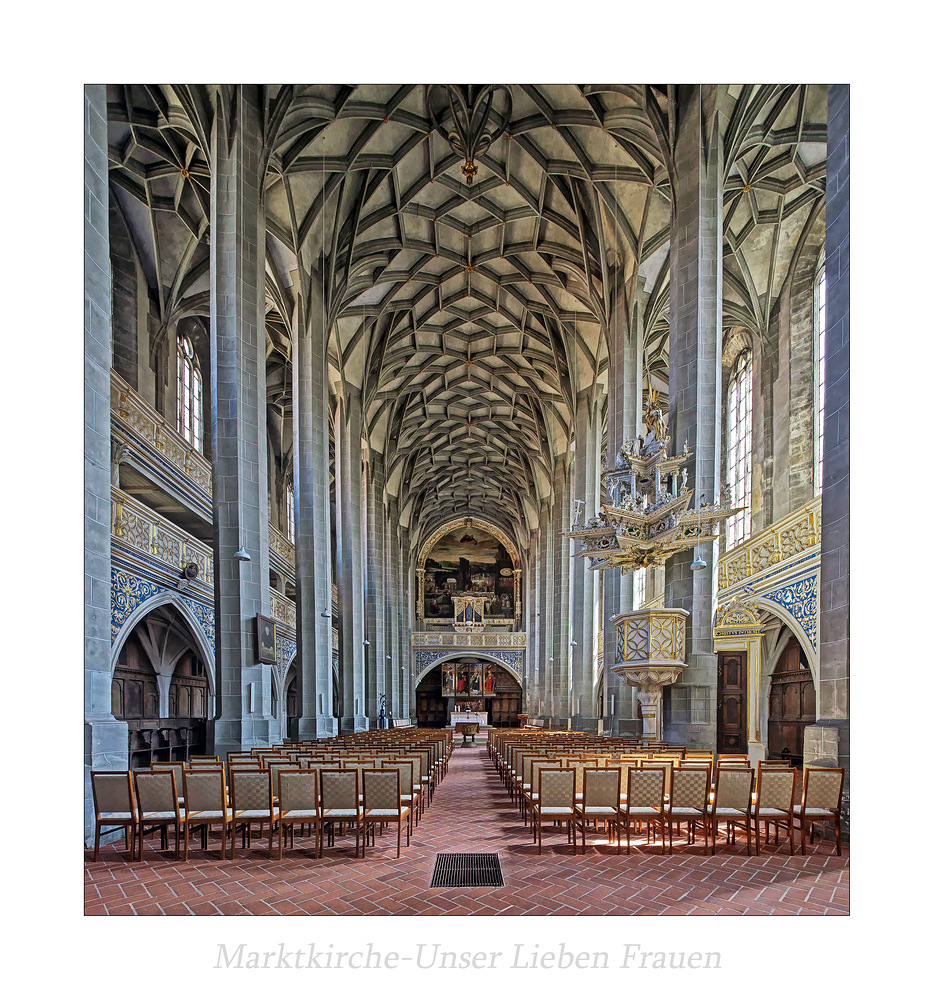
(535, 767)
(554, 802)
(645, 802)
(178, 769)
(157, 801)
(340, 802)
(732, 802)
(417, 796)
(275, 768)
(382, 803)
(529, 782)
(688, 802)
(206, 805)
(821, 801)
(114, 806)
(251, 793)
(298, 803)
(406, 780)
(624, 765)
(774, 802)
(600, 802)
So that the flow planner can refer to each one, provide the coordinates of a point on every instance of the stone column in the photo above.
(238, 418)
(530, 686)
(694, 374)
(828, 740)
(583, 655)
(377, 579)
(561, 631)
(547, 609)
(105, 738)
(393, 657)
(623, 422)
(406, 664)
(350, 559)
(311, 482)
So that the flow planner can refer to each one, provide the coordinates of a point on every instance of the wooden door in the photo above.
(731, 703)
(792, 704)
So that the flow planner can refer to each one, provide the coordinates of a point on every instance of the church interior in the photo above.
(450, 449)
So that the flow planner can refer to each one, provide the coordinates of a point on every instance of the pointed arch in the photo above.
(199, 640)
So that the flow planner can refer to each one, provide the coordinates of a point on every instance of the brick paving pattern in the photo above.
(470, 812)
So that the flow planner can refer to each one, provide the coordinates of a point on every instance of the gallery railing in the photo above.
(140, 528)
(469, 640)
(786, 539)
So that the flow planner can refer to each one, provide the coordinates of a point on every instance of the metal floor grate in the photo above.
(464, 870)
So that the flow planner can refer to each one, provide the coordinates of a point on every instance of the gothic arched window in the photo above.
(819, 370)
(739, 447)
(189, 393)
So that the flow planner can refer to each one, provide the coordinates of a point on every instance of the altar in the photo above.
(479, 717)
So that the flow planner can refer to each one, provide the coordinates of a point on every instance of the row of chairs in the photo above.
(143, 802)
(418, 764)
(691, 799)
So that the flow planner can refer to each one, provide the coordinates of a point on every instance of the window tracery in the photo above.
(739, 448)
(189, 393)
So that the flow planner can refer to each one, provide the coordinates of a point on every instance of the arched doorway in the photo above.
(792, 703)
(447, 687)
(160, 689)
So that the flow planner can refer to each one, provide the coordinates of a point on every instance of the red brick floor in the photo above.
(471, 812)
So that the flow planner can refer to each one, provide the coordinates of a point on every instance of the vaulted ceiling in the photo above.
(473, 317)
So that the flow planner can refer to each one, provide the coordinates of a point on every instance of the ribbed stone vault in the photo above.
(473, 319)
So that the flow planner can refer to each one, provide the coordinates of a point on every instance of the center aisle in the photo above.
(470, 813)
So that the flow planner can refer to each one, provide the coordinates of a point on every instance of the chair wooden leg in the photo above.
(766, 835)
(399, 837)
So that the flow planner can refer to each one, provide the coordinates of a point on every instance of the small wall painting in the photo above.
(265, 639)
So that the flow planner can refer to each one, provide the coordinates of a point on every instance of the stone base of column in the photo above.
(691, 737)
(755, 752)
(106, 743)
(317, 727)
(234, 735)
(354, 724)
(827, 744)
(583, 724)
(621, 727)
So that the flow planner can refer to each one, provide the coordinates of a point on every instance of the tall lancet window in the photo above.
(189, 394)
(739, 447)
(290, 511)
(819, 371)
(638, 588)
